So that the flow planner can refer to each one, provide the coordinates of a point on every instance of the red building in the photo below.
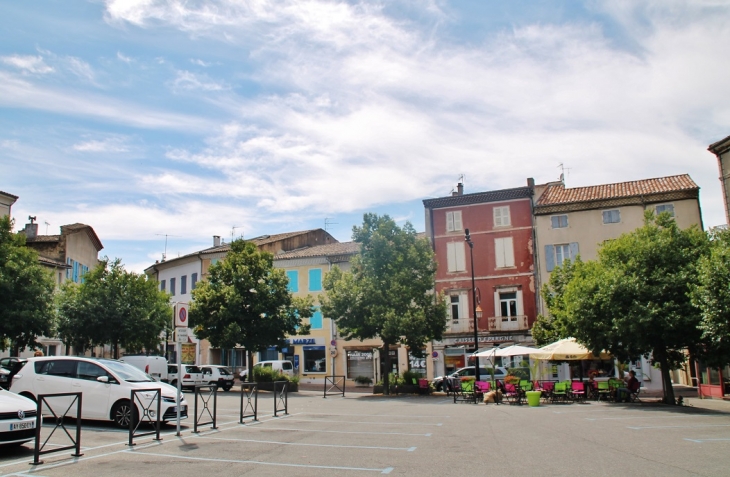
(501, 230)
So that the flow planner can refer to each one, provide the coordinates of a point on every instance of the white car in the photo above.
(17, 418)
(105, 385)
(218, 375)
(192, 376)
(282, 366)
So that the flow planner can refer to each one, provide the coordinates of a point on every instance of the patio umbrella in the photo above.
(516, 350)
(567, 350)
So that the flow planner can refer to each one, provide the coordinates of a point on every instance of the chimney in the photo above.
(460, 188)
(31, 229)
(530, 182)
(216, 240)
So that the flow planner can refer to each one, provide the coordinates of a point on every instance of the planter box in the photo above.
(378, 389)
(407, 389)
(270, 387)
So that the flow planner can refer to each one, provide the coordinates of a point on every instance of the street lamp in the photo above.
(474, 301)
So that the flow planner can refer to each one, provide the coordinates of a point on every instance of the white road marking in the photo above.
(371, 422)
(678, 427)
(407, 449)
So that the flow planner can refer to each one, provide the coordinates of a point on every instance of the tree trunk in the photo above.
(249, 366)
(116, 351)
(667, 382)
(386, 375)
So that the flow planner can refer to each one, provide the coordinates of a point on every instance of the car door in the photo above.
(208, 377)
(54, 376)
(95, 403)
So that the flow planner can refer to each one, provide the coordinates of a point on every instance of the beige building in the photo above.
(721, 149)
(6, 203)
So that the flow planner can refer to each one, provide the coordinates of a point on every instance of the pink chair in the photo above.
(578, 390)
(482, 387)
(512, 394)
(547, 388)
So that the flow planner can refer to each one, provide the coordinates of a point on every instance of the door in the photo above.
(95, 404)
(54, 377)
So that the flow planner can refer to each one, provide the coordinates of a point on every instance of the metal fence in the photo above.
(204, 398)
(40, 449)
(148, 415)
(249, 401)
(281, 397)
(334, 385)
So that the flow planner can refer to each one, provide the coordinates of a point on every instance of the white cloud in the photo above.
(124, 58)
(108, 145)
(188, 81)
(27, 63)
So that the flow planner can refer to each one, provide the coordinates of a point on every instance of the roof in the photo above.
(43, 238)
(89, 231)
(659, 189)
(9, 194)
(346, 248)
(49, 262)
(479, 197)
(720, 147)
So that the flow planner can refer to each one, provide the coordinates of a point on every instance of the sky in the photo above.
(162, 123)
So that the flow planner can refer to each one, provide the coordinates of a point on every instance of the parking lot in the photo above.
(414, 435)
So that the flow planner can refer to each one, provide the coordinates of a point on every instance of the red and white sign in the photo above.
(181, 315)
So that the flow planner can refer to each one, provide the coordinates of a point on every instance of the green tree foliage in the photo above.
(551, 327)
(245, 301)
(113, 306)
(389, 291)
(635, 300)
(26, 293)
(711, 296)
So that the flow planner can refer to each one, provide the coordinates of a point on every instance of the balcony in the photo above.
(508, 323)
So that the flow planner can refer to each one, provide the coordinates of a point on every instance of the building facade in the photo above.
(721, 150)
(501, 231)
(6, 203)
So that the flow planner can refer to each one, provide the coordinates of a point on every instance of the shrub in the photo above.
(269, 375)
(411, 377)
(366, 380)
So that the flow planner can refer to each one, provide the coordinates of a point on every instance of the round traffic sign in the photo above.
(183, 315)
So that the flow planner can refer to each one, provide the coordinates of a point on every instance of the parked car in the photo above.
(218, 375)
(17, 418)
(484, 374)
(105, 384)
(8, 368)
(283, 366)
(192, 376)
(155, 366)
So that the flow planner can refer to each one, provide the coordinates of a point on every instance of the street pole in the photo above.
(474, 308)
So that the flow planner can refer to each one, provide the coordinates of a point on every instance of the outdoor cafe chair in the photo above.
(423, 386)
(560, 392)
(578, 390)
(512, 393)
(614, 385)
(464, 391)
(604, 391)
(547, 388)
(525, 385)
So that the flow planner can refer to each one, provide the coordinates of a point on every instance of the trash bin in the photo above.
(533, 398)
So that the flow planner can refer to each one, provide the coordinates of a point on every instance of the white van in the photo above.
(283, 366)
(155, 366)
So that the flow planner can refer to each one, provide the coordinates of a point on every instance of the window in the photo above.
(213, 261)
(508, 305)
(504, 252)
(51, 350)
(61, 367)
(556, 254)
(183, 284)
(455, 256)
(293, 277)
(611, 216)
(89, 371)
(172, 286)
(360, 363)
(559, 221)
(457, 306)
(453, 221)
(162, 285)
(316, 320)
(315, 279)
(315, 360)
(193, 280)
(665, 208)
(501, 216)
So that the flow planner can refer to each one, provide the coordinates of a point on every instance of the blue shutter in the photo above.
(293, 277)
(315, 279)
(550, 257)
(193, 280)
(573, 251)
(316, 320)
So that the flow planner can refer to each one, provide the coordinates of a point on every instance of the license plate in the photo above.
(19, 426)
(182, 408)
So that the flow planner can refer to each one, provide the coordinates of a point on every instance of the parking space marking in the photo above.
(387, 470)
(343, 432)
(407, 449)
(635, 417)
(373, 422)
(677, 427)
(372, 415)
(707, 440)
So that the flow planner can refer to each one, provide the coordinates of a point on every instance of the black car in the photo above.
(484, 375)
(8, 368)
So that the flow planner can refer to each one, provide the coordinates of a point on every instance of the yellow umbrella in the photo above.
(567, 350)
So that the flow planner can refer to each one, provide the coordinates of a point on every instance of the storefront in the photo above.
(360, 362)
(454, 352)
(713, 382)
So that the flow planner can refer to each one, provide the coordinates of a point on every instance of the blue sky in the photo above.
(191, 118)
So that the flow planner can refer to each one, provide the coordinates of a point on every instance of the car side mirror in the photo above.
(103, 379)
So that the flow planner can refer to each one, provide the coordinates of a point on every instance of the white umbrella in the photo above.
(516, 350)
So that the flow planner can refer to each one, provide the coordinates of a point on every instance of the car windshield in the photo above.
(224, 371)
(128, 373)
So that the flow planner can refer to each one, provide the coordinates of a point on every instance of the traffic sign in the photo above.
(181, 315)
(181, 335)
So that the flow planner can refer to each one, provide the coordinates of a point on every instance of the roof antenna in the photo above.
(164, 255)
(47, 224)
(562, 168)
(328, 222)
(233, 231)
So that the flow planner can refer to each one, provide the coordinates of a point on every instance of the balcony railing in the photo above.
(508, 323)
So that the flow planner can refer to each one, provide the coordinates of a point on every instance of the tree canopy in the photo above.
(389, 291)
(635, 299)
(26, 292)
(113, 306)
(245, 301)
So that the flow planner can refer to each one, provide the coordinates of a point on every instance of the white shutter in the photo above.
(497, 216)
(520, 309)
(462, 306)
(451, 257)
(460, 258)
(509, 252)
(449, 221)
(457, 220)
(497, 305)
(499, 252)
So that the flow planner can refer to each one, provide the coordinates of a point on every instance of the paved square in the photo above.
(408, 435)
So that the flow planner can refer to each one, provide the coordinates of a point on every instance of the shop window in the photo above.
(315, 359)
(416, 364)
(360, 363)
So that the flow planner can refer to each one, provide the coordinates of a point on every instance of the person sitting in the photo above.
(632, 386)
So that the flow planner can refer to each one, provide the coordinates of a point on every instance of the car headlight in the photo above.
(168, 399)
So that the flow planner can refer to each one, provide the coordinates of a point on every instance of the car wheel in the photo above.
(122, 413)
(438, 387)
(226, 388)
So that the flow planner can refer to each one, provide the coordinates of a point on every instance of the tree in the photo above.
(245, 301)
(551, 327)
(635, 301)
(389, 291)
(26, 293)
(113, 306)
(711, 296)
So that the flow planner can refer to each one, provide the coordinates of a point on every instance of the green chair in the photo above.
(560, 392)
(525, 385)
(604, 390)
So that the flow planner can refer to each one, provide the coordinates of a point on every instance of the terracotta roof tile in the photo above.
(558, 194)
(478, 197)
(346, 248)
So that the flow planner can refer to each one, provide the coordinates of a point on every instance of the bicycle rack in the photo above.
(147, 414)
(212, 393)
(281, 397)
(43, 399)
(336, 385)
(249, 391)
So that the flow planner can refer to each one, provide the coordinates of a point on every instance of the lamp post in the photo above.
(474, 301)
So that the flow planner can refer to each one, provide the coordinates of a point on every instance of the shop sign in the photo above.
(482, 339)
(305, 341)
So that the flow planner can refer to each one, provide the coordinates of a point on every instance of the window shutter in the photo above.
(520, 309)
(449, 221)
(462, 306)
(457, 220)
(573, 251)
(499, 252)
(450, 257)
(460, 258)
(497, 216)
(550, 257)
(509, 253)
(497, 305)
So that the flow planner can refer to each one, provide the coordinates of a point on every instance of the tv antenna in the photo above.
(328, 222)
(47, 224)
(164, 255)
(562, 168)
(233, 231)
